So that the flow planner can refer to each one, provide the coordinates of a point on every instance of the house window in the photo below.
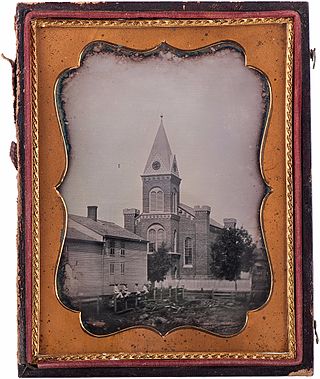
(156, 200)
(122, 268)
(188, 252)
(156, 237)
(112, 246)
(111, 268)
(122, 249)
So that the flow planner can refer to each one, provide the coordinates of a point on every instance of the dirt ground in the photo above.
(222, 316)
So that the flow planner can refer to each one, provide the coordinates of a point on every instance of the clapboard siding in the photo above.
(86, 247)
(86, 267)
(90, 265)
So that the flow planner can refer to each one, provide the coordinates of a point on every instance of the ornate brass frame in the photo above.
(41, 23)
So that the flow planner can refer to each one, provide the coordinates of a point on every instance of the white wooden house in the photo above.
(98, 254)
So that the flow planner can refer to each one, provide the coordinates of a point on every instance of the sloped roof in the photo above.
(190, 210)
(215, 223)
(75, 234)
(186, 208)
(106, 228)
(161, 152)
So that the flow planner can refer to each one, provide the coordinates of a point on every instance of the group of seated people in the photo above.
(123, 292)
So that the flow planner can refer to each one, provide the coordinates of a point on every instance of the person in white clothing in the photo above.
(145, 289)
(117, 292)
(136, 289)
(125, 291)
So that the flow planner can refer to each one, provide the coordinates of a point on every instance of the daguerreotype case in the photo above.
(165, 194)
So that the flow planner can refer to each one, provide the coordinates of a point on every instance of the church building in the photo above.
(187, 231)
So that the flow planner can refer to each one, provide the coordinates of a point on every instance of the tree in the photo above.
(231, 253)
(159, 264)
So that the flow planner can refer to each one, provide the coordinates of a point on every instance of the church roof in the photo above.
(161, 160)
(106, 228)
(190, 210)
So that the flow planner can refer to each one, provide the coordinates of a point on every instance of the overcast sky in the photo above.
(212, 107)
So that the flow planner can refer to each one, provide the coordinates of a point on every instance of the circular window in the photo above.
(156, 165)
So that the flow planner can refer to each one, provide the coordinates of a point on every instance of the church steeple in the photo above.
(161, 160)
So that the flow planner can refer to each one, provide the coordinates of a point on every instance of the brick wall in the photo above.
(202, 224)
(169, 222)
(186, 229)
(166, 182)
(129, 218)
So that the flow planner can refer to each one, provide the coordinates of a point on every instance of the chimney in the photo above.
(92, 212)
(130, 215)
(230, 223)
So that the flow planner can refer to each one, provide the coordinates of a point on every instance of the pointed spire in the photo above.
(161, 159)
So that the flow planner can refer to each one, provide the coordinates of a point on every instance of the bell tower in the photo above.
(160, 179)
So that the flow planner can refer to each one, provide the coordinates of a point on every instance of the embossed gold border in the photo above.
(41, 23)
(35, 197)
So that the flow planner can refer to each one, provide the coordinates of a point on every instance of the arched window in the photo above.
(174, 201)
(188, 252)
(153, 201)
(152, 240)
(156, 237)
(159, 201)
(156, 200)
(160, 237)
(175, 247)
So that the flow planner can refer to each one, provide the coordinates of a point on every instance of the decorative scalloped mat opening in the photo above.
(149, 136)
